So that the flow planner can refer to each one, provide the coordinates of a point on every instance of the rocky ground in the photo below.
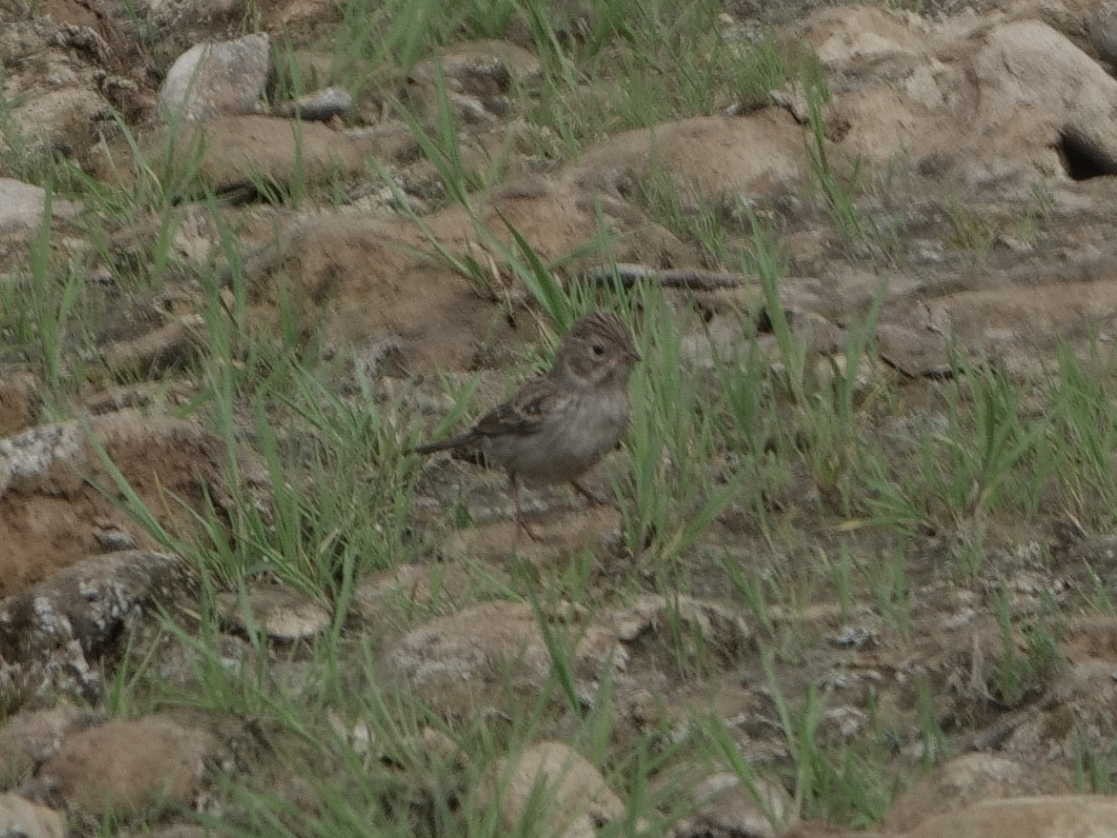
(860, 567)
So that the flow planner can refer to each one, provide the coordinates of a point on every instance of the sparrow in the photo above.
(559, 425)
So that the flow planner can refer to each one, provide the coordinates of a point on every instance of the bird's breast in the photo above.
(572, 439)
(585, 432)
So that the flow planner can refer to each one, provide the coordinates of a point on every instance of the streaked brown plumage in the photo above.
(557, 426)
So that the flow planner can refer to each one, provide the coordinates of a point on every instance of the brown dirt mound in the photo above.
(56, 496)
(365, 279)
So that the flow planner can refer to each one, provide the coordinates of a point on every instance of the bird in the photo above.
(560, 424)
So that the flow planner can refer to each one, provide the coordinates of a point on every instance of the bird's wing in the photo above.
(524, 412)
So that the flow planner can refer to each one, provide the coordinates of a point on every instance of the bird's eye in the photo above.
(598, 349)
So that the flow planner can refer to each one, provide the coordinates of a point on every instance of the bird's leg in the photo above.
(591, 496)
(520, 522)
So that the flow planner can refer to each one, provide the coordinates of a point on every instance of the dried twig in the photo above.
(629, 274)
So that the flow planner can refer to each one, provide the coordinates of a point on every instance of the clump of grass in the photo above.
(442, 147)
(343, 465)
(971, 230)
(836, 190)
(983, 462)
(691, 220)
(625, 49)
(827, 412)
(671, 441)
(1095, 767)
(1001, 440)
(1078, 451)
(39, 309)
(977, 230)
(1026, 663)
(842, 185)
(931, 735)
(840, 784)
(891, 588)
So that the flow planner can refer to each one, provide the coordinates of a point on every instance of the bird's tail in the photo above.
(444, 445)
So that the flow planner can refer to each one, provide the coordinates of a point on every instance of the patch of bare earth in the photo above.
(991, 138)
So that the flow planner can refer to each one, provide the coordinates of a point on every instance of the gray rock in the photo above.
(21, 206)
(114, 539)
(853, 636)
(209, 79)
(53, 635)
(30, 454)
(1027, 68)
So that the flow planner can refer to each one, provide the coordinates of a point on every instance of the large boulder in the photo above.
(226, 77)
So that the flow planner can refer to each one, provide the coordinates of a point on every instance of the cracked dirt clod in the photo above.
(709, 157)
(281, 613)
(126, 766)
(237, 151)
(579, 798)
(31, 737)
(460, 661)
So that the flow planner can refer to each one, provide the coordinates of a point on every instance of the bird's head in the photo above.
(597, 351)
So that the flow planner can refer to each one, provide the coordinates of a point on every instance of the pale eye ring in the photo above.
(598, 350)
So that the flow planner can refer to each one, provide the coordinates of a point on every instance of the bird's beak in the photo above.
(635, 356)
